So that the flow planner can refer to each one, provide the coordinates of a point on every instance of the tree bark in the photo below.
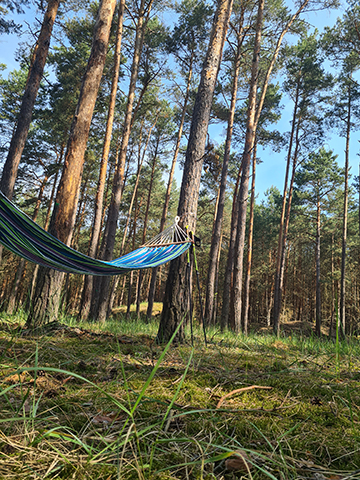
(168, 189)
(175, 301)
(141, 161)
(277, 289)
(22, 266)
(146, 217)
(244, 183)
(45, 304)
(215, 239)
(19, 137)
(101, 286)
(276, 326)
(317, 260)
(99, 198)
(228, 280)
(345, 217)
(250, 245)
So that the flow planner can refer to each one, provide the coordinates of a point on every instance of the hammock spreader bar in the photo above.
(25, 238)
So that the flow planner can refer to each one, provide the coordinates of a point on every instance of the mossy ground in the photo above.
(74, 406)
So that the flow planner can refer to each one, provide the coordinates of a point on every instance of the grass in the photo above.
(105, 402)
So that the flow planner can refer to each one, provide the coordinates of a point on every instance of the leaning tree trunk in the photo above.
(45, 304)
(244, 184)
(215, 240)
(175, 301)
(101, 289)
(99, 198)
(345, 217)
(18, 140)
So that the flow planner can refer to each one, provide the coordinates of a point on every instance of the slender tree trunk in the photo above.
(18, 140)
(345, 218)
(21, 266)
(216, 296)
(46, 225)
(138, 295)
(249, 252)
(244, 183)
(318, 285)
(99, 198)
(168, 189)
(175, 301)
(215, 239)
(48, 287)
(227, 292)
(141, 157)
(277, 292)
(101, 286)
(276, 325)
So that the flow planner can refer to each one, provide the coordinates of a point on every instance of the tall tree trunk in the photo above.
(213, 320)
(48, 287)
(277, 292)
(175, 301)
(99, 198)
(46, 225)
(227, 292)
(215, 239)
(244, 183)
(168, 188)
(276, 324)
(318, 285)
(116, 280)
(101, 286)
(138, 294)
(19, 137)
(250, 244)
(21, 267)
(345, 217)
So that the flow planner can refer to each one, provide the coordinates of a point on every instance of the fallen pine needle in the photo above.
(239, 390)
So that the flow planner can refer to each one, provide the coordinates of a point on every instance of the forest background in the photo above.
(309, 119)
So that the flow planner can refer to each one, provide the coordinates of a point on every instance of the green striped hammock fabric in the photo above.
(25, 238)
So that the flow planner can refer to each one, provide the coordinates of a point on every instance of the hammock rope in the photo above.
(25, 238)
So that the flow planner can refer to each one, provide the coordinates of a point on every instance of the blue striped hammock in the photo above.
(25, 238)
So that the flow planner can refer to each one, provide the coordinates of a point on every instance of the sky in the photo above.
(272, 169)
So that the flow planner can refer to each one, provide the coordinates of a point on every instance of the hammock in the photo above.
(25, 238)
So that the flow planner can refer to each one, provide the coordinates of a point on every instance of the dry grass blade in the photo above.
(239, 390)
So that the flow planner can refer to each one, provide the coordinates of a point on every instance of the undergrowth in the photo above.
(104, 401)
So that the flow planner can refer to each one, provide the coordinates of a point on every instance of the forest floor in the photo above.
(106, 402)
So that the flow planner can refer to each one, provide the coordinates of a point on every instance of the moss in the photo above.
(311, 413)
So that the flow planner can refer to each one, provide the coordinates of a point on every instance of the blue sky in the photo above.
(272, 169)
